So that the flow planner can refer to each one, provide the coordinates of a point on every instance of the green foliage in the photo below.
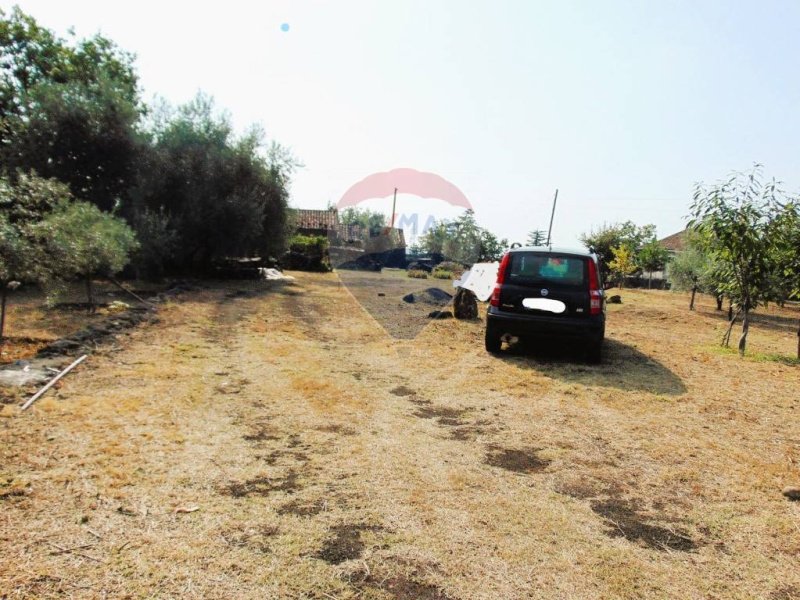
(623, 263)
(787, 253)
(417, 274)
(738, 225)
(219, 193)
(24, 241)
(89, 241)
(309, 253)
(372, 222)
(68, 109)
(463, 241)
(308, 243)
(157, 240)
(608, 237)
(439, 273)
(537, 237)
(194, 191)
(652, 256)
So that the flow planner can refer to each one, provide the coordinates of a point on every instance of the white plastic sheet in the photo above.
(480, 280)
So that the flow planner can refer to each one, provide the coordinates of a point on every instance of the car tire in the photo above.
(493, 341)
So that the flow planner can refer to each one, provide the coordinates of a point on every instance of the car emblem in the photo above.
(545, 292)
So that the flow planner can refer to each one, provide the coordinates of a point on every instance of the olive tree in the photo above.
(25, 243)
(90, 242)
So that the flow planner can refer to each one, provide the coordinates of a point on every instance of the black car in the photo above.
(548, 294)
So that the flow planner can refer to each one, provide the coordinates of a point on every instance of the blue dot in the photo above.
(285, 27)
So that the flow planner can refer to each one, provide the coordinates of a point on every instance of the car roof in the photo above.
(553, 250)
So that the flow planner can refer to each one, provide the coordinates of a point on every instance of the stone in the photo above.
(792, 493)
(465, 304)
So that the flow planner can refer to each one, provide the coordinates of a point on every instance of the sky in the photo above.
(621, 106)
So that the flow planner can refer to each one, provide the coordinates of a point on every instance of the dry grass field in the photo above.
(328, 459)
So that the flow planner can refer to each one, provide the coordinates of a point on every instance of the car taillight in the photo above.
(595, 296)
(501, 277)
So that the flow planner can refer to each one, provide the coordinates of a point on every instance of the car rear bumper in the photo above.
(568, 328)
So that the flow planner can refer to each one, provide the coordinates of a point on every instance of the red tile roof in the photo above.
(675, 242)
(317, 219)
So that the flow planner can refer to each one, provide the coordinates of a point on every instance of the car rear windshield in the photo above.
(534, 269)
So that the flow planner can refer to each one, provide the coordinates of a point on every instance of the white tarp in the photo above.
(480, 279)
(274, 275)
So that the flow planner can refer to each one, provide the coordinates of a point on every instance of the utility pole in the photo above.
(552, 215)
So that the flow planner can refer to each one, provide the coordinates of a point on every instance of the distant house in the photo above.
(316, 222)
(326, 223)
(674, 243)
(348, 240)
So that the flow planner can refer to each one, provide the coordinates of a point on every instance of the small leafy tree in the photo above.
(688, 271)
(787, 227)
(537, 237)
(371, 222)
(463, 240)
(622, 264)
(91, 242)
(736, 221)
(608, 237)
(24, 242)
(652, 257)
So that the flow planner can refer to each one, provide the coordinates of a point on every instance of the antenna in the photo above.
(552, 215)
(394, 205)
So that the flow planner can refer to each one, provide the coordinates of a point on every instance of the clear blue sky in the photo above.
(620, 105)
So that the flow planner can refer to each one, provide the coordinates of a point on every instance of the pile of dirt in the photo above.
(432, 295)
(86, 339)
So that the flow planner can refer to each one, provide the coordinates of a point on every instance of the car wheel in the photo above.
(493, 341)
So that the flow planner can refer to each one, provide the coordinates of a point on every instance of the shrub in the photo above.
(442, 274)
(417, 274)
(308, 253)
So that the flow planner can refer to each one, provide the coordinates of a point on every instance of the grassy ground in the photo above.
(32, 321)
(329, 459)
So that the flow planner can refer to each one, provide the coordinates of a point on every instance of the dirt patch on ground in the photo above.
(381, 294)
(786, 593)
(443, 415)
(624, 520)
(470, 433)
(262, 486)
(261, 433)
(519, 461)
(337, 429)
(346, 543)
(402, 391)
(400, 587)
(302, 509)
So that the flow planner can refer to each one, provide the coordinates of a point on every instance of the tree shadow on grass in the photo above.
(784, 323)
(623, 367)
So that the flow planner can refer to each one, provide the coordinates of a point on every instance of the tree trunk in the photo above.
(798, 340)
(89, 293)
(726, 338)
(730, 311)
(691, 302)
(745, 329)
(719, 302)
(3, 312)
(649, 280)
